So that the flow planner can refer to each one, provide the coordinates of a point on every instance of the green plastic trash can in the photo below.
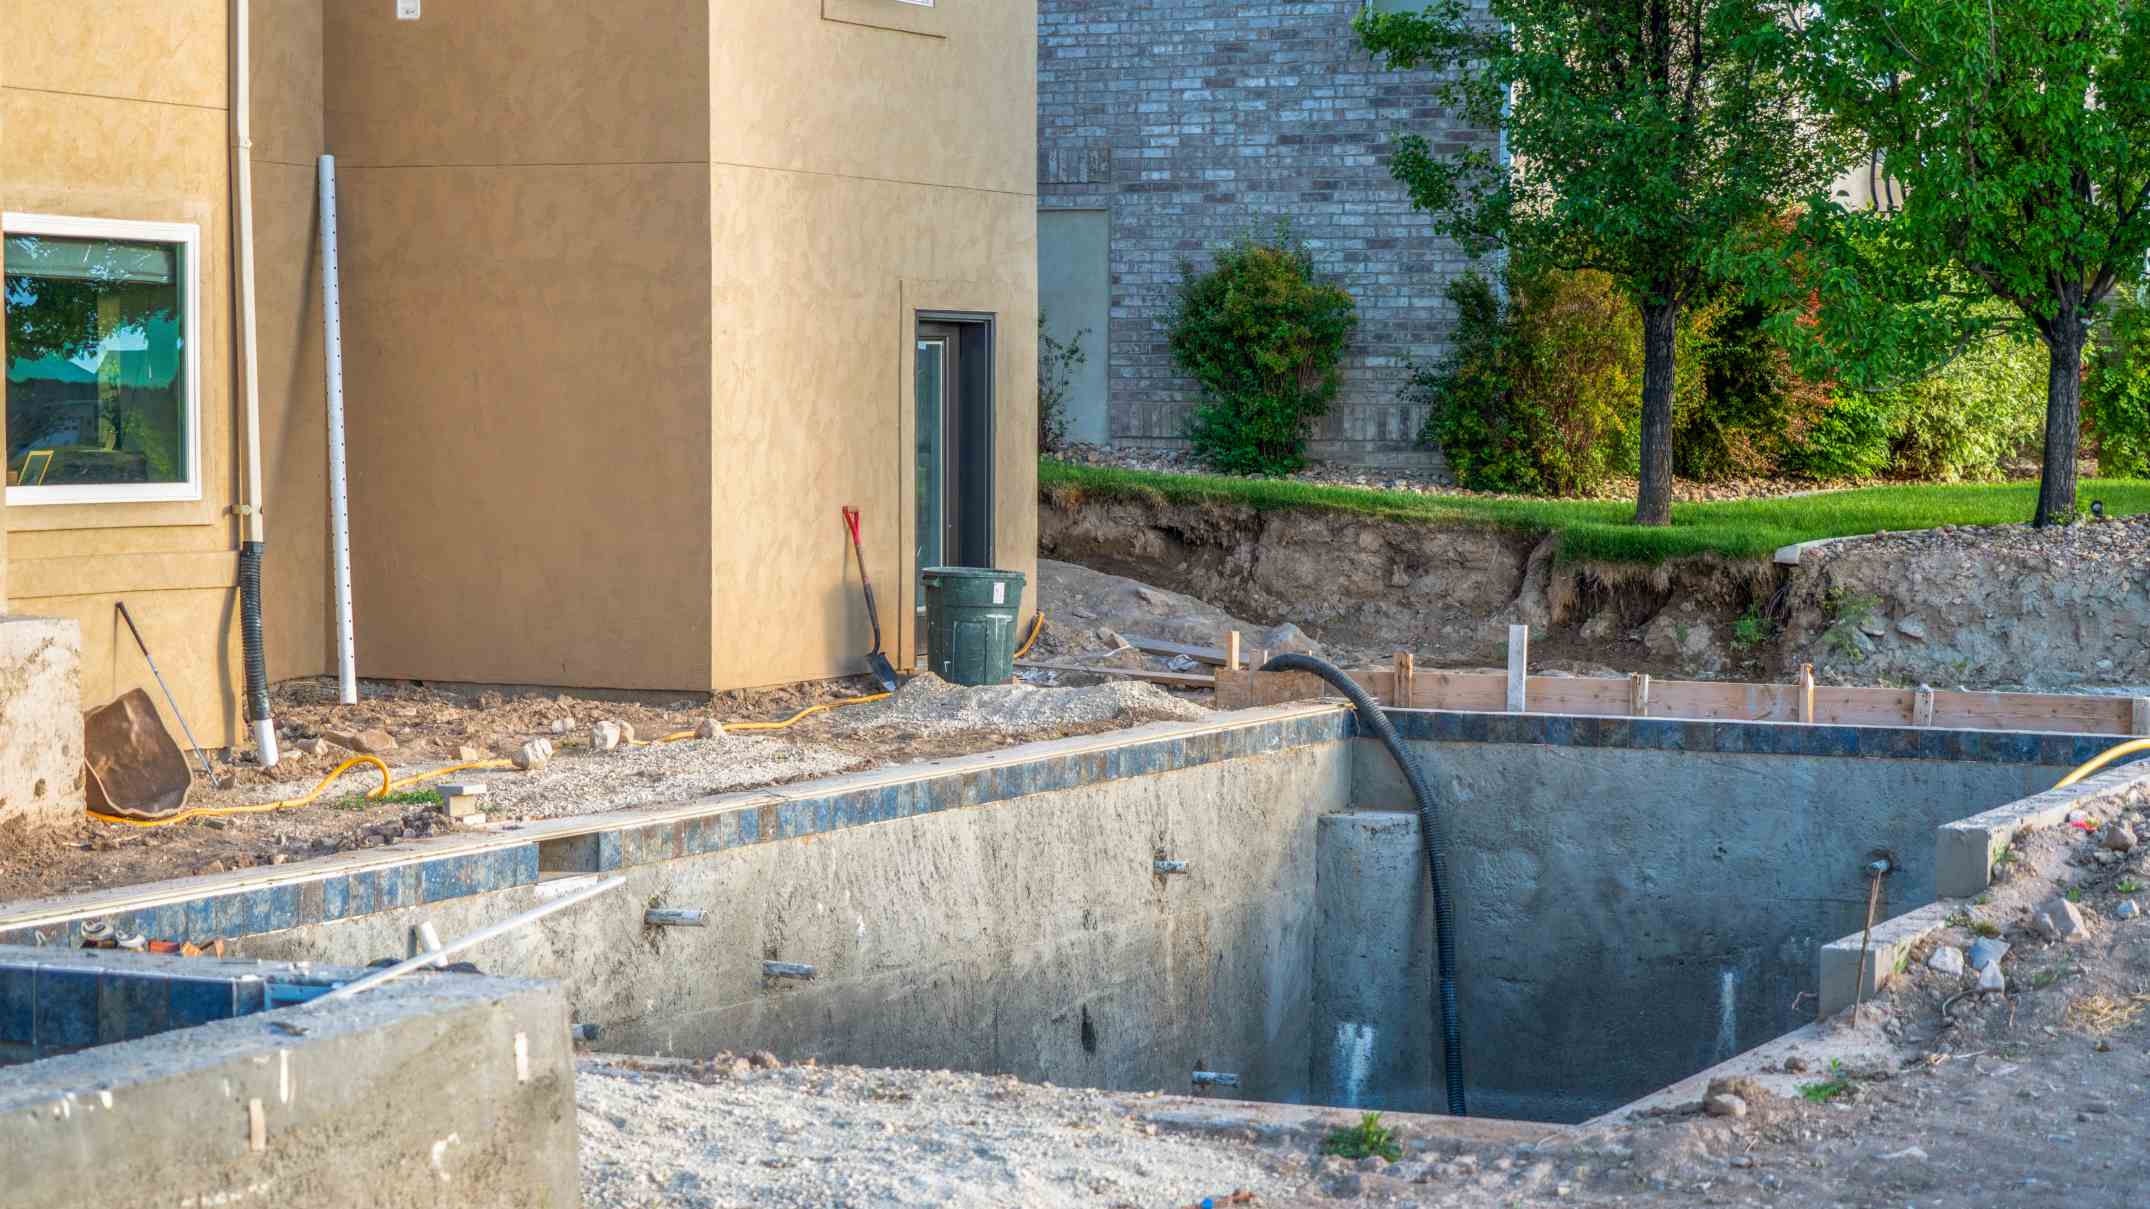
(972, 616)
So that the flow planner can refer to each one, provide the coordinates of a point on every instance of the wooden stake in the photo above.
(1231, 651)
(1638, 694)
(1922, 706)
(1806, 692)
(1401, 695)
(1518, 666)
(2139, 712)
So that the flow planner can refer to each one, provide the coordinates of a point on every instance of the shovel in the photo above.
(876, 662)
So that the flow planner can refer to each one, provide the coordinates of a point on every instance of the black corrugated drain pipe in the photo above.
(257, 663)
(1371, 717)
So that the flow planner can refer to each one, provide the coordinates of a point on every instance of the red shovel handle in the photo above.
(851, 522)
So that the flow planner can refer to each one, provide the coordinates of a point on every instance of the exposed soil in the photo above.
(2035, 1096)
(2001, 607)
(434, 727)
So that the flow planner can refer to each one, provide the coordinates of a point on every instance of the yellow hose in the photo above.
(1037, 627)
(2102, 759)
(389, 783)
(198, 812)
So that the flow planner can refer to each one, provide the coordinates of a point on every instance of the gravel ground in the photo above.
(727, 1134)
(631, 778)
(929, 705)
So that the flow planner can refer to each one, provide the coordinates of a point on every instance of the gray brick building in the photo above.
(1166, 128)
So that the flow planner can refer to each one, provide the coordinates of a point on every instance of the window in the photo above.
(103, 360)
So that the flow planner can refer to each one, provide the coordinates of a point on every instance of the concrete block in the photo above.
(40, 720)
(461, 799)
(1964, 850)
(1844, 979)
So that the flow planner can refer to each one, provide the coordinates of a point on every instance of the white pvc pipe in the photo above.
(440, 955)
(242, 139)
(339, 508)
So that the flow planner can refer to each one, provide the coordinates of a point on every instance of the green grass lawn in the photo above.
(1602, 530)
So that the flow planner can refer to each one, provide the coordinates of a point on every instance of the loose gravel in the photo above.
(659, 774)
(729, 1133)
(930, 705)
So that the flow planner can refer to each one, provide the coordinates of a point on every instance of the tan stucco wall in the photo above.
(860, 174)
(118, 109)
(526, 298)
(628, 300)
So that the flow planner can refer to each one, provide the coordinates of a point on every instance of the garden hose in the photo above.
(391, 783)
(2102, 759)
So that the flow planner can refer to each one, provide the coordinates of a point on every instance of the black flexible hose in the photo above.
(1371, 717)
(257, 663)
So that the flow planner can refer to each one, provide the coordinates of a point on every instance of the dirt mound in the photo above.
(931, 705)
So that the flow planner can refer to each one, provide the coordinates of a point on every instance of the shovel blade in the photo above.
(882, 670)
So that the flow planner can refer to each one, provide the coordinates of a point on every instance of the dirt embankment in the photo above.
(1990, 608)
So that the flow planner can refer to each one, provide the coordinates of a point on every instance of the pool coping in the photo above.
(257, 900)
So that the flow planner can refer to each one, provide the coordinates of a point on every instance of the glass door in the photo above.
(938, 436)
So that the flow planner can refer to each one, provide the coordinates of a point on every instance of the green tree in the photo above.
(2020, 136)
(1645, 134)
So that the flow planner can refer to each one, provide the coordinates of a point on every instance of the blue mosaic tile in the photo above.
(18, 1005)
(66, 1009)
(192, 1001)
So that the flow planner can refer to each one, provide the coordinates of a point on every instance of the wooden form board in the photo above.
(1710, 700)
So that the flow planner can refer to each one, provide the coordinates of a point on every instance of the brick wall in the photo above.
(1193, 121)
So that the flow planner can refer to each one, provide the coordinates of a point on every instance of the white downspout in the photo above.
(251, 507)
(339, 500)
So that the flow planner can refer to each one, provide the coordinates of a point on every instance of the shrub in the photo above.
(1741, 402)
(1262, 338)
(1540, 394)
(2116, 392)
(1057, 362)
(1968, 421)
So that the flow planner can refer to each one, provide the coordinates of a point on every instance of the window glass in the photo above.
(96, 365)
(932, 387)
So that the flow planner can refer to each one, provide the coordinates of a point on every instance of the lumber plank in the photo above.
(1401, 691)
(1638, 697)
(1577, 695)
(1173, 679)
(1158, 646)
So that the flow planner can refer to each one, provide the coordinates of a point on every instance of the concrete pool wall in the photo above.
(1635, 896)
(171, 1081)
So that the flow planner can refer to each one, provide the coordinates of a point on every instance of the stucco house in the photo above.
(636, 296)
(1166, 128)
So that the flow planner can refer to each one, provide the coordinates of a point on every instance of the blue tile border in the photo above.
(343, 895)
(1751, 738)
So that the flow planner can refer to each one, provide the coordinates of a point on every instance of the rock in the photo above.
(1913, 628)
(2118, 837)
(1946, 961)
(709, 728)
(2127, 909)
(2062, 921)
(764, 1060)
(1600, 627)
(1795, 1065)
(1373, 1162)
(1725, 1106)
(1908, 1152)
(1990, 979)
(531, 756)
(1288, 639)
(2105, 857)
(372, 742)
(466, 754)
(1986, 951)
(313, 747)
(605, 736)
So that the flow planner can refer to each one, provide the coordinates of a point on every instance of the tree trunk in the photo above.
(1653, 502)
(2063, 420)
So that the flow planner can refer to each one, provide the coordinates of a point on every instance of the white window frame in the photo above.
(188, 237)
